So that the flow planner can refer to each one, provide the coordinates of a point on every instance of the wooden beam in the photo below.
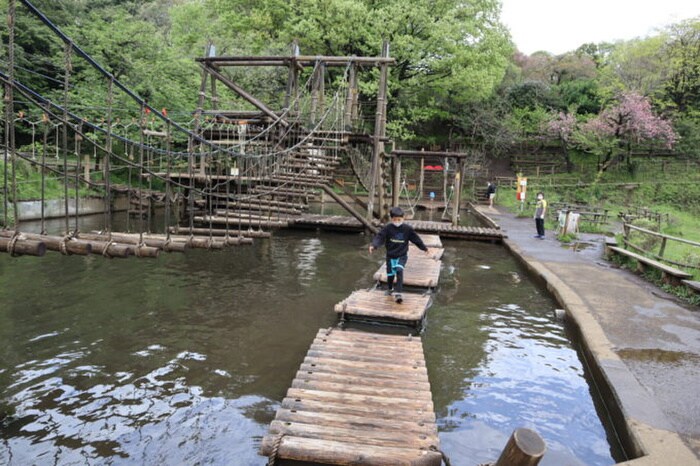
(241, 92)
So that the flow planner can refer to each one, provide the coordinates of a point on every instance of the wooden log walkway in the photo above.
(421, 270)
(375, 306)
(446, 230)
(358, 398)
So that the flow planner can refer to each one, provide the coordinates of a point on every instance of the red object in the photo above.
(433, 167)
(164, 112)
(147, 110)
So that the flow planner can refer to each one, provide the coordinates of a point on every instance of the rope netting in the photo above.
(200, 159)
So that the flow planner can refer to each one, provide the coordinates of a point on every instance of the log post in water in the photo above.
(524, 448)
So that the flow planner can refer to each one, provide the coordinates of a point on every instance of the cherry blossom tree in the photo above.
(617, 129)
(561, 127)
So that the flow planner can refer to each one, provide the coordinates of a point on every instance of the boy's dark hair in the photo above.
(396, 212)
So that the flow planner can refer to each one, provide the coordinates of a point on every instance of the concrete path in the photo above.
(645, 343)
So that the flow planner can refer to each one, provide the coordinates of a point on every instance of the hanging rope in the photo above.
(68, 51)
(45, 119)
(106, 162)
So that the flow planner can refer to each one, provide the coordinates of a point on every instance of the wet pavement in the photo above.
(645, 342)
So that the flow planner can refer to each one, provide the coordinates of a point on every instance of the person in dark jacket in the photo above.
(490, 192)
(395, 237)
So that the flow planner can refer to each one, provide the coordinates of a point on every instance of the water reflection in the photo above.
(503, 362)
(185, 359)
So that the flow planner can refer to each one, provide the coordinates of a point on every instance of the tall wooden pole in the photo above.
(396, 189)
(350, 98)
(376, 187)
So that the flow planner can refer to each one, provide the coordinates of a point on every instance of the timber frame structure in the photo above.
(299, 147)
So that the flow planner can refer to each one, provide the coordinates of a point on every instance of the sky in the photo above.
(559, 26)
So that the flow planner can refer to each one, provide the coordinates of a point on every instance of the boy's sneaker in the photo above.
(398, 298)
(388, 292)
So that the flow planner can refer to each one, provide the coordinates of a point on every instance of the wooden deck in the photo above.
(374, 306)
(447, 230)
(421, 270)
(358, 398)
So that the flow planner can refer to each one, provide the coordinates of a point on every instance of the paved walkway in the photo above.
(646, 344)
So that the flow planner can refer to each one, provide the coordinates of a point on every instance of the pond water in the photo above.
(184, 359)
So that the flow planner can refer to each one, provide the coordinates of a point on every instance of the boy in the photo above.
(540, 212)
(395, 236)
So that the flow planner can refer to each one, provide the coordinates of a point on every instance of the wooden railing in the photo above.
(662, 249)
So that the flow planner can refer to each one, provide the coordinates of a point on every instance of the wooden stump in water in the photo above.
(524, 448)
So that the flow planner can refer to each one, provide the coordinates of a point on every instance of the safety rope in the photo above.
(272, 459)
(62, 245)
(105, 250)
(445, 459)
(11, 244)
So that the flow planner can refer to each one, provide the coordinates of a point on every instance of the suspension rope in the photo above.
(67, 55)
(43, 173)
(107, 178)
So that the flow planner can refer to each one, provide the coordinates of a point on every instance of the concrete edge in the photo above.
(645, 432)
(482, 216)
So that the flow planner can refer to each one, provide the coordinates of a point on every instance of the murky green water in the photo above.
(184, 359)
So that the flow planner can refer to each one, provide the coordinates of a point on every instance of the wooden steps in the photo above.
(359, 398)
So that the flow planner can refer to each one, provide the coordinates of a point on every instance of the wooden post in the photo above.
(396, 189)
(197, 118)
(524, 448)
(86, 167)
(422, 177)
(663, 246)
(456, 197)
(378, 146)
(350, 98)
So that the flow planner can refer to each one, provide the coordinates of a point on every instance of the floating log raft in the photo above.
(328, 222)
(345, 223)
(421, 270)
(447, 230)
(70, 245)
(158, 242)
(206, 219)
(176, 242)
(431, 241)
(359, 398)
(232, 232)
(374, 306)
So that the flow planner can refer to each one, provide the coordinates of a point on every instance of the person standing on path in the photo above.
(395, 237)
(491, 193)
(540, 212)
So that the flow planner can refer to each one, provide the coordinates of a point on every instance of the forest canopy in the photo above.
(458, 80)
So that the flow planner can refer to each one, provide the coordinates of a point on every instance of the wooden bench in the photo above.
(693, 286)
(669, 274)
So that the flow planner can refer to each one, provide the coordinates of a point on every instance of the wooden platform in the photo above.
(373, 305)
(345, 223)
(431, 241)
(358, 398)
(421, 270)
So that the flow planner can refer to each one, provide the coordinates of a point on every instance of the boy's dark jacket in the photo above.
(396, 239)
